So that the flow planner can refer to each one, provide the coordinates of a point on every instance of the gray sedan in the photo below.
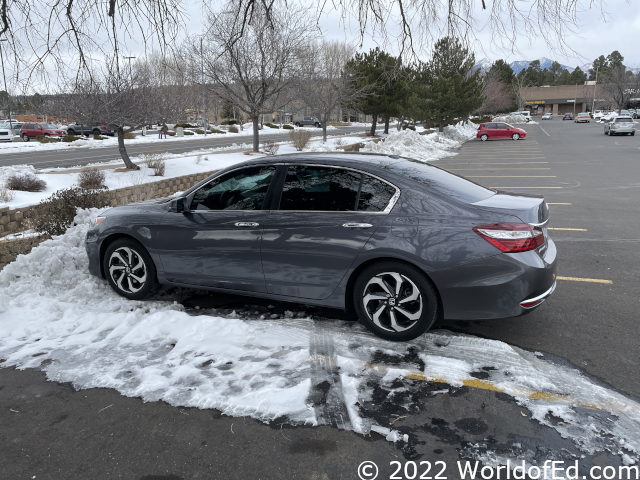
(399, 242)
(620, 126)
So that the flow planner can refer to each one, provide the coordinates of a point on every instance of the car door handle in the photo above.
(247, 224)
(357, 225)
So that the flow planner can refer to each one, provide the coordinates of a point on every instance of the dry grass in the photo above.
(27, 182)
(129, 136)
(300, 138)
(233, 129)
(91, 178)
(156, 162)
(6, 194)
(270, 147)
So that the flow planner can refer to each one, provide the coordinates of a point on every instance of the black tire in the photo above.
(25, 137)
(515, 136)
(317, 125)
(96, 132)
(633, 134)
(484, 137)
(135, 266)
(71, 132)
(297, 124)
(378, 313)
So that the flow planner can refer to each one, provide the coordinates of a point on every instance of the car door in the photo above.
(324, 217)
(490, 130)
(216, 242)
(502, 130)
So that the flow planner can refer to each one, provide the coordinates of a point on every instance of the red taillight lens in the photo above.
(511, 237)
(531, 304)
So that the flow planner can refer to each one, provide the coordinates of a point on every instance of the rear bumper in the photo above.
(496, 286)
(623, 130)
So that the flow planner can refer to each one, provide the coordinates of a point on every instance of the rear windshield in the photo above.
(583, 114)
(624, 120)
(448, 184)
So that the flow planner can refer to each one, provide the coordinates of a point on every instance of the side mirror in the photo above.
(177, 205)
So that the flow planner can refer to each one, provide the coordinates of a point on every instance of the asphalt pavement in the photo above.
(74, 158)
(51, 431)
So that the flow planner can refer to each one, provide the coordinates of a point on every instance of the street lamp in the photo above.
(5, 84)
(204, 104)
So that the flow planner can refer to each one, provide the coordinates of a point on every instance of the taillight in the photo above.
(511, 237)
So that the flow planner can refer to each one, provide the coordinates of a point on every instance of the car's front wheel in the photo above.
(130, 269)
(515, 136)
(484, 137)
(395, 301)
(25, 137)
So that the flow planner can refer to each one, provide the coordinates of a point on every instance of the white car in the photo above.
(547, 116)
(524, 113)
(6, 135)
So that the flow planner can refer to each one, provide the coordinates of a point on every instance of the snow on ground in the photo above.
(426, 148)
(56, 316)
(514, 120)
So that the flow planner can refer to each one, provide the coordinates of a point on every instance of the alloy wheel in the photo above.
(484, 137)
(392, 301)
(127, 270)
(515, 136)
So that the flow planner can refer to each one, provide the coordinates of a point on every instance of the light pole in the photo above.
(5, 84)
(595, 85)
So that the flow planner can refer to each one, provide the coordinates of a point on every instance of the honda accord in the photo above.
(400, 242)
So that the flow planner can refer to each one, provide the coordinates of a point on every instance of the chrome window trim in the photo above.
(387, 209)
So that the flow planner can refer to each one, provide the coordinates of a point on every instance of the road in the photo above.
(52, 431)
(84, 156)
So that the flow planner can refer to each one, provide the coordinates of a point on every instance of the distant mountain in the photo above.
(518, 65)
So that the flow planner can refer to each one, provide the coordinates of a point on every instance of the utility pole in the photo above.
(575, 97)
(595, 85)
(204, 104)
(5, 85)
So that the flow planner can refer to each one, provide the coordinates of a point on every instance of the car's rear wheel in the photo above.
(25, 137)
(297, 124)
(317, 125)
(633, 134)
(395, 301)
(515, 136)
(130, 269)
(484, 137)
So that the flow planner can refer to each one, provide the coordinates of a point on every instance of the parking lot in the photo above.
(560, 384)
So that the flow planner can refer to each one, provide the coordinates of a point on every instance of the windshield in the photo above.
(50, 126)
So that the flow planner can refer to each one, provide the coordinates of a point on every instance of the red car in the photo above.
(32, 130)
(493, 130)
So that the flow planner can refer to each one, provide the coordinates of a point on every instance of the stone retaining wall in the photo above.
(12, 221)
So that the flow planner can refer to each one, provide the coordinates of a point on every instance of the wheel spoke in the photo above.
(415, 294)
(119, 257)
(371, 296)
(140, 279)
(410, 316)
(139, 264)
(394, 323)
(399, 281)
(131, 287)
(376, 318)
(119, 283)
(381, 283)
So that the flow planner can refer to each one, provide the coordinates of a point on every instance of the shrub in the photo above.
(217, 131)
(271, 125)
(338, 142)
(199, 131)
(91, 179)
(98, 137)
(229, 122)
(55, 214)
(184, 125)
(410, 127)
(70, 138)
(171, 134)
(233, 129)
(43, 139)
(129, 136)
(300, 138)
(6, 194)
(287, 127)
(155, 161)
(186, 132)
(27, 182)
(270, 147)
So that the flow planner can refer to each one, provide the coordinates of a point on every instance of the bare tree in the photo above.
(520, 82)
(253, 65)
(497, 95)
(622, 86)
(328, 83)
(122, 101)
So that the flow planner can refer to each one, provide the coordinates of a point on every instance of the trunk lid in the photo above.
(528, 208)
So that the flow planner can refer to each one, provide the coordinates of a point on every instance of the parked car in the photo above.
(358, 231)
(32, 130)
(636, 113)
(547, 116)
(583, 117)
(307, 121)
(6, 135)
(15, 126)
(567, 116)
(86, 130)
(493, 130)
(524, 113)
(620, 126)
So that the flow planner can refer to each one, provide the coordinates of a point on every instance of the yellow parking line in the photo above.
(559, 203)
(590, 280)
(572, 229)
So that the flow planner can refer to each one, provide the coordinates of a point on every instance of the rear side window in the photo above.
(374, 194)
(443, 182)
(490, 125)
(502, 126)
(326, 189)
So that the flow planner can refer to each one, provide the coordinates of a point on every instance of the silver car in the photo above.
(620, 125)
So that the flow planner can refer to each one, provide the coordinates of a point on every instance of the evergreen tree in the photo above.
(534, 73)
(577, 77)
(376, 73)
(502, 71)
(565, 78)
(555, 71)
(226, 111)
(615, 59)
(454, 89)
(600, 67)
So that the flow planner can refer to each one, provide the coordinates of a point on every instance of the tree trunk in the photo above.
(386, 125)
(123, 150)
(374, 121)
(441, 126)
(256, 133)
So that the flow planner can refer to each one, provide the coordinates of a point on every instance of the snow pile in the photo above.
(407, 143)
(56, 316)
(514, 120)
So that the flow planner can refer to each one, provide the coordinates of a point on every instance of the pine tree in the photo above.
(577, 77)
(502, 71)
(453, 88)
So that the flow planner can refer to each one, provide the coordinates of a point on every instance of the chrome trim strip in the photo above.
(540, 297)
(540, 224)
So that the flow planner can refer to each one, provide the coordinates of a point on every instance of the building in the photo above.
(566, 99)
